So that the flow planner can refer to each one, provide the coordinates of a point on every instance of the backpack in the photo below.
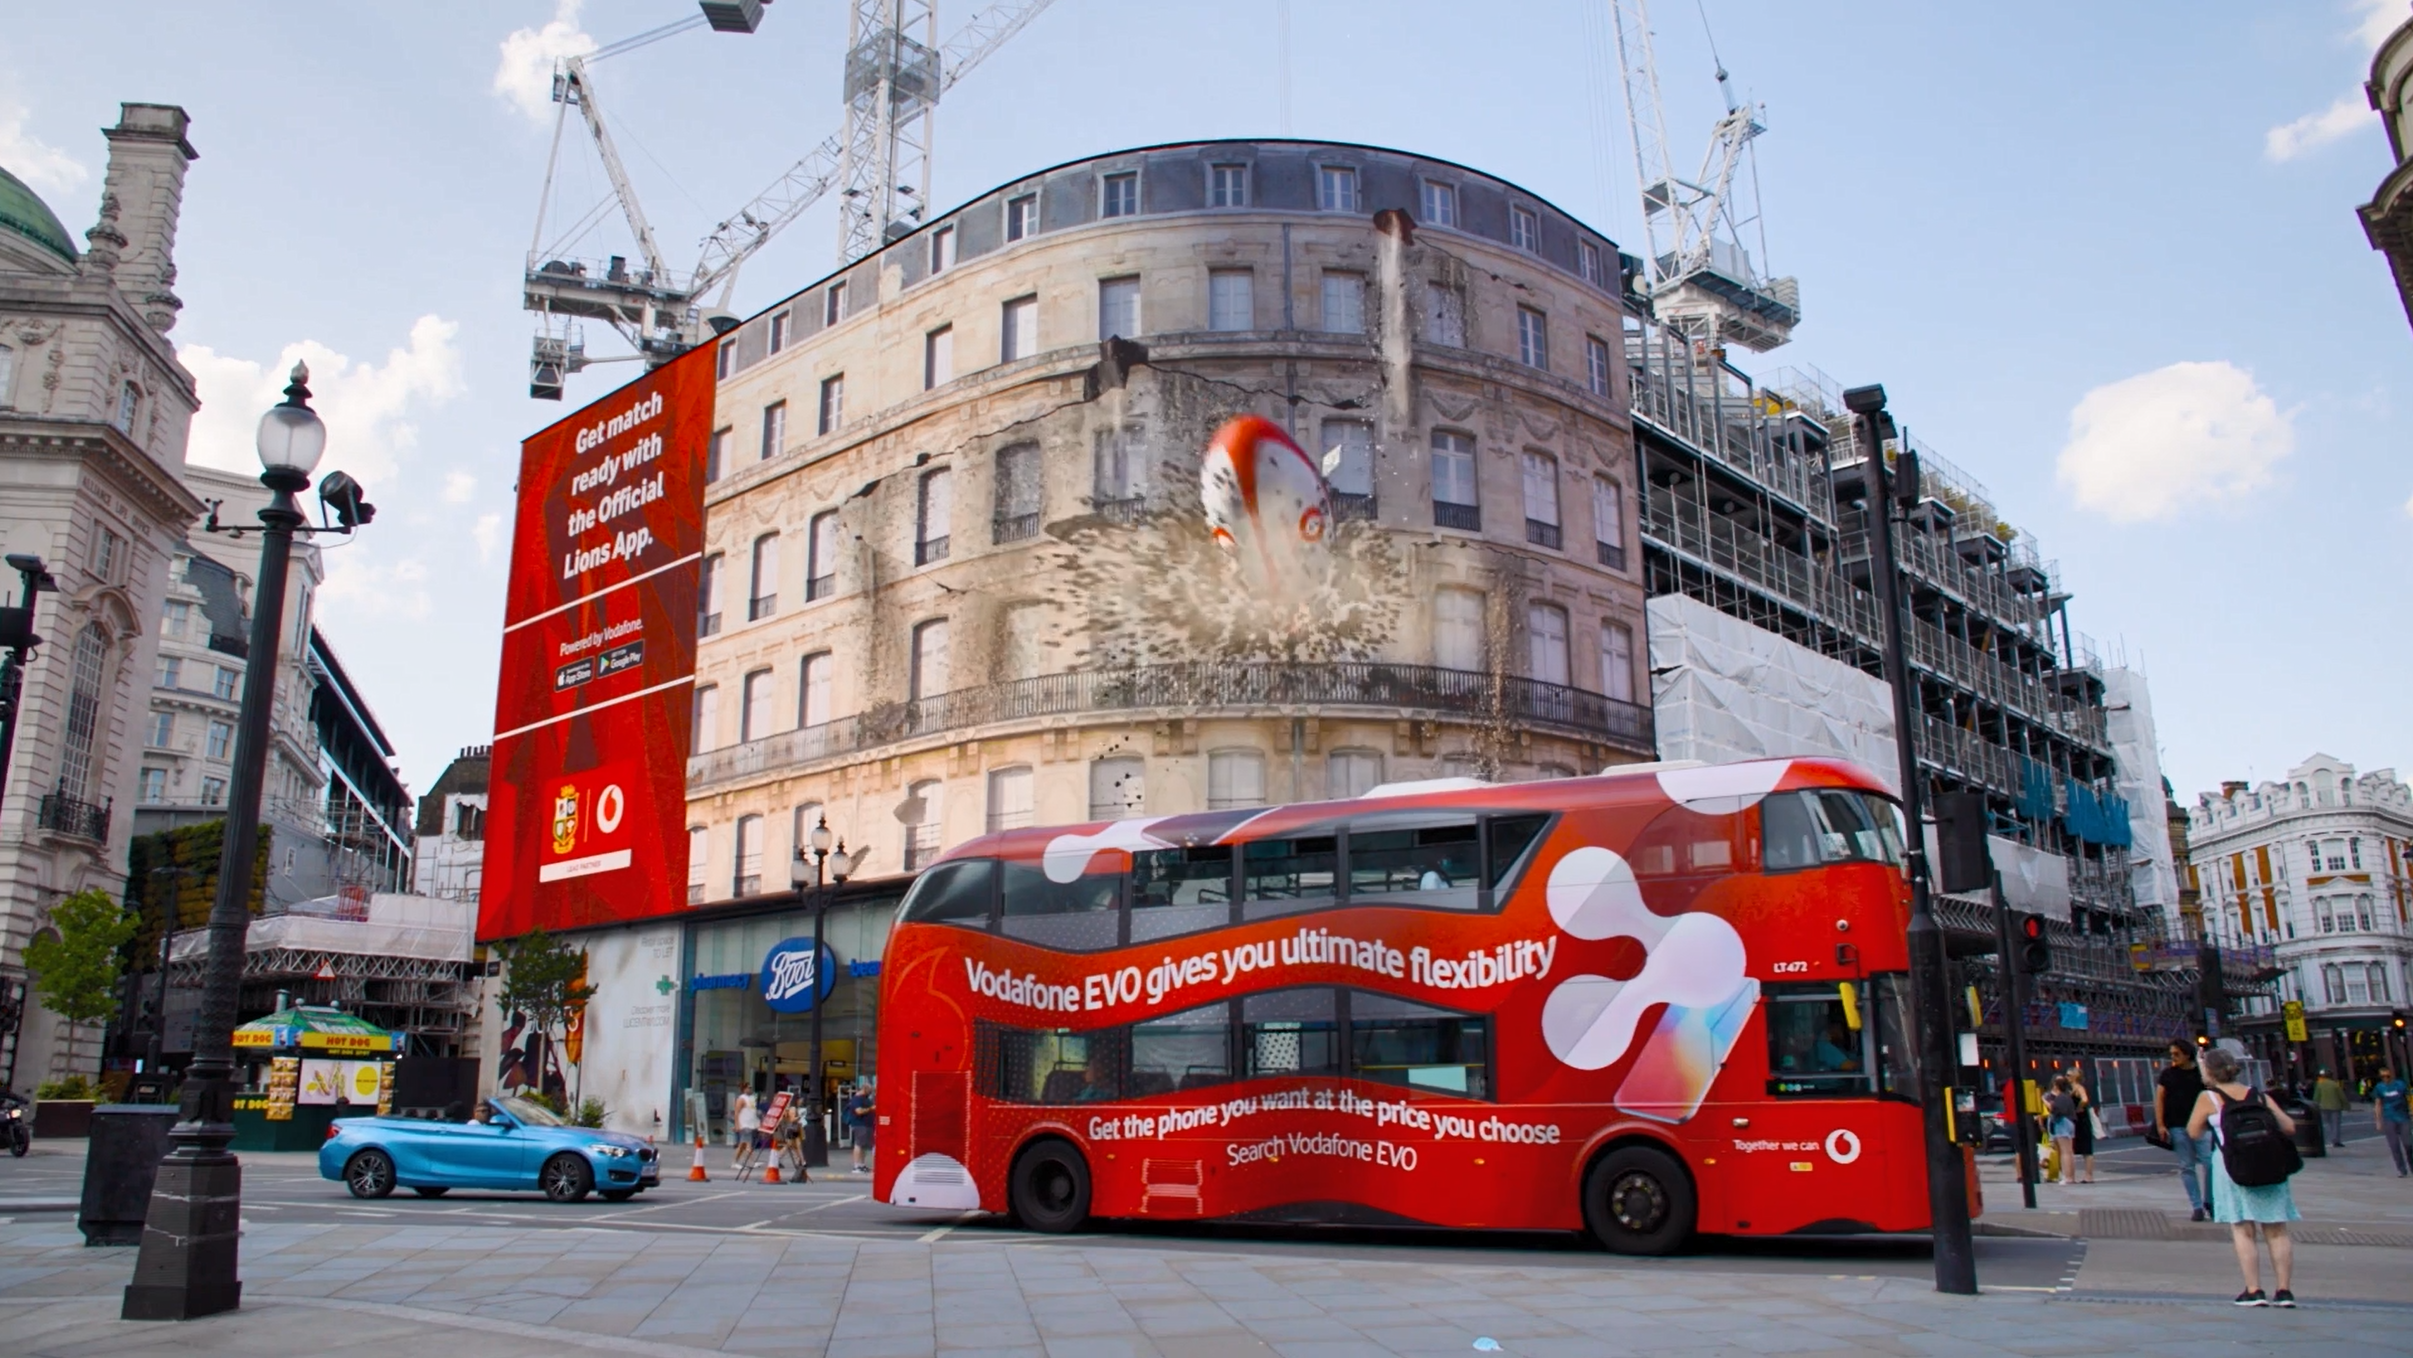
(2253, 1149)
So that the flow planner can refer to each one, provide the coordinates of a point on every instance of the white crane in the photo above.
(893, 82)
(1702, 278)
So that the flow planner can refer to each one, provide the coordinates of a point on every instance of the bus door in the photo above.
(1809, 1150)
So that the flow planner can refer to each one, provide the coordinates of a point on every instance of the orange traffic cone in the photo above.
(697, 1174)
(770, 1171)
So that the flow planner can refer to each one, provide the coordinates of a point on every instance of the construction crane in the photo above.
(881, 156)
(1702, 279)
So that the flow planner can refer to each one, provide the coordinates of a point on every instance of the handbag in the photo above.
(2095, 1120)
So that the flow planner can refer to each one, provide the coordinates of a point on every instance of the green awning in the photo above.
(312, 1028)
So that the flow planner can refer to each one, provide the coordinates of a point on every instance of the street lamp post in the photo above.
(1947, 1179)
(813, 874)
(187, 1267)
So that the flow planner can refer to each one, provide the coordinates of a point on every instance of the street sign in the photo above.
(2291, 1013)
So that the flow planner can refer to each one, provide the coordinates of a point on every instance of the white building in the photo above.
(94, 413)
(2317, 867)
(449, 856)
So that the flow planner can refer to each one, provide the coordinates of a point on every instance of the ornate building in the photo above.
(94, 412)
(2388, 217)
(2319, 867)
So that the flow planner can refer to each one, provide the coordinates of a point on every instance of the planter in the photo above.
(63, 1118)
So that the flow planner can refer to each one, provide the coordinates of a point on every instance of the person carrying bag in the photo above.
(2256, 1156)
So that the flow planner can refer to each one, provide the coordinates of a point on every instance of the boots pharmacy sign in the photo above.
(586, 819)
(796, 976)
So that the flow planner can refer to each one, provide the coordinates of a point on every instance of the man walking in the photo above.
(2394, 1118)
(2330, 1097)
(2174, 1096)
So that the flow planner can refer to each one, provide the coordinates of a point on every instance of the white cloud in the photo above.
(370, 409)
(524, 76)
(2150, 446)
(488, 533)
(459, 487)
(2409, 508)
(50, 171)
(358, 585)
(2351, 112)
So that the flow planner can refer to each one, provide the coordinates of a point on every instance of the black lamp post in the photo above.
(187, 1267)
(816, 881)
(1947, 1178)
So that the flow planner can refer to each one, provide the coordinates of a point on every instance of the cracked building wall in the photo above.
(1016, 580)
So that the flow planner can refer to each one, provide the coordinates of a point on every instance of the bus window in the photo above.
(1048, 1065)
(1828, 825)
(1180, 891)
(1181, 1051)
(1813, 1049)
(1511, 836)
(1074, 916)
(1400, 1042)
(1290, 1032)
(1284, 876)
(1433, 864)
(951, 893)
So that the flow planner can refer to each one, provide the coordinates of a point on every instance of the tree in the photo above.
(76, 969)
(544, 979)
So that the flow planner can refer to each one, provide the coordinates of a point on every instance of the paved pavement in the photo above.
(740, 1268)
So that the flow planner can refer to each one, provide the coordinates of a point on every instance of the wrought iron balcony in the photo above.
(1203, 686)
(74, 816)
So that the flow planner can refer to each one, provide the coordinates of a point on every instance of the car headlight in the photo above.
(615, 1152)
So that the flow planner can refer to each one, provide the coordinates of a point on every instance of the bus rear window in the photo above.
(1819, 826)
(951, 893)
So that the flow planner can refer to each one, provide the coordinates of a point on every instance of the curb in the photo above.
(8, 1205)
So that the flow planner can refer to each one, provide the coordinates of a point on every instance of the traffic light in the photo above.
(2035, 955)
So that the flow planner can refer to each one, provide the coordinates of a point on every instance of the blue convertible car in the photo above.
(512, 1143)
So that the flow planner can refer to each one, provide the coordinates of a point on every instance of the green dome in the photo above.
(24, 212)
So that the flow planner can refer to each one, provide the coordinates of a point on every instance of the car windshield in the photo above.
(529, 1112)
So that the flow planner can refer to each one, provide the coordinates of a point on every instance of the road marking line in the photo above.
(934, 1236)
(675, 1202)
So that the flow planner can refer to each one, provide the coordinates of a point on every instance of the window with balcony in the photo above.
(1596, 365)
(1010, 801)
(1349, 467)
(774, 429)
(1541, 499)
(1524, 229)
(929, 676)
(754, 719)
(699, 848)
(1018, 331)
(813, 689)
(1439, 202)
(1227, 186)
(942, 250)
(1016, 486)
(821, 556)
(1235, 778)
(762, 595)
(1118, 788)
(1444, 315)
(1344, 303)
(1118, 307)
(747, 881)
(1336, 188)
(1608, 523)
(1454, 502)
(1022, 641)
(707, 718)
(922, 835)
(1119, 479)
(800, 828)
(1546, 637)
(1021, 216)
(1352, 773)
(1231, 299)
(1533, 338)
(1118, 195)
(1617, 660)
(938, 357)
(833, 403)
(934, 511)
(220, 742)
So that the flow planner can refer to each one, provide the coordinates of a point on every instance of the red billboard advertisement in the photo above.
(586, 814)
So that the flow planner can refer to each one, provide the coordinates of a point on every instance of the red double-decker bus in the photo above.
(1640, 1004)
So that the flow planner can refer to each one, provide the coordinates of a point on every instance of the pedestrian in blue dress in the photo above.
(2271, 1206)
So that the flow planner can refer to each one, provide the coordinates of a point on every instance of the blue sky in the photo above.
(2104, 258)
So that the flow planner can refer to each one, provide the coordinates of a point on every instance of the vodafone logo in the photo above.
(609, 807)
(1843, 1146)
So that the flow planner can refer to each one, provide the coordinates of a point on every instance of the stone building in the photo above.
(449, 853)
(2318, 866)
(2388, 217)
(94, 413)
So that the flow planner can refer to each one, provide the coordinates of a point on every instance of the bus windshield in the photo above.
(1819, 826)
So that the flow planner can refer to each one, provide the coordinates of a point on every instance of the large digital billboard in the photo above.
(586, 816)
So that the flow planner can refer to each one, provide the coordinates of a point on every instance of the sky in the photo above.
(2104, 259)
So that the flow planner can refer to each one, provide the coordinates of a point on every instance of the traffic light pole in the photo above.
(2015, 1044)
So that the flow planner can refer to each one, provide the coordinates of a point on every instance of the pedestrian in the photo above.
(787, 1140)
(2082, 1137)
(2175, 1092)
(749, 1128)
(2330, 1097)
(2271, 1206)
(2061, 1124)
(858, 1123)
(2394, 1118)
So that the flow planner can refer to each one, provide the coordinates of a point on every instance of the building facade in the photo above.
(2388, 217)
(94, 414)
(2319, 868)
(449, 851)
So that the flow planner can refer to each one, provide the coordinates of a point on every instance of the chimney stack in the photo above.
(2231, 788)
(140, 199)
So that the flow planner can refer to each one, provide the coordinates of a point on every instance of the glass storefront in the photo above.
(730, 1037)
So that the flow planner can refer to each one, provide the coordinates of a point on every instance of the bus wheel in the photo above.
(1637, 1200)
(1049, 1188)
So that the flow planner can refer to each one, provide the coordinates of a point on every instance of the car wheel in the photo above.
(1049, 1187)
(1638, 1200)
(431, 1190)
(566, 1178)
(617, 1194)
(369, 1174)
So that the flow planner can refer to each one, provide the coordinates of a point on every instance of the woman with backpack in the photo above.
(2256, 1152)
